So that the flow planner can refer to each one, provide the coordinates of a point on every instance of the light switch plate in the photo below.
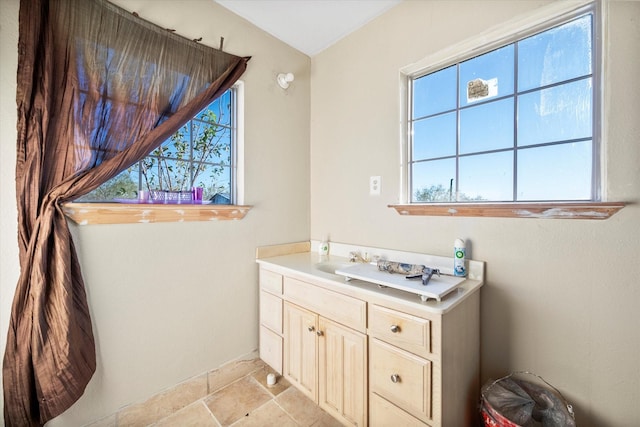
(374, 185)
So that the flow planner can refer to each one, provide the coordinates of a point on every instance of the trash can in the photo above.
(514, 402)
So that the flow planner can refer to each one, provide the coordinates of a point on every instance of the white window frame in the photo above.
(507, 33)
(239, 172)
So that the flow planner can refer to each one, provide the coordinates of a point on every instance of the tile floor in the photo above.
(235, 395)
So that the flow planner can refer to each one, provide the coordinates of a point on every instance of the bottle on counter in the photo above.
(323, 249)
(459, 254)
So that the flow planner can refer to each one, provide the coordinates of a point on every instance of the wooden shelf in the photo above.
(589, 210)
(124, 213)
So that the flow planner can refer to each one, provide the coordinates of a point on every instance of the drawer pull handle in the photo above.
(319, 333)
(311, 328)
(395, 329)
(395, 378)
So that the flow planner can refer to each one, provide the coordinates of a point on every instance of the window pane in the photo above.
(486, 177)
(433, 181)
(176, 146)
(123, 186)
(434, 137)
(434, 93)
(556, 55)
(556, 172)
(487, 76)
(216, 182)
(487, 127)
(211, 143)
(555, 114)
(165, 174)
(219, 111)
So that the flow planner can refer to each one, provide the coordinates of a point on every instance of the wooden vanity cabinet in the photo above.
(372, 360)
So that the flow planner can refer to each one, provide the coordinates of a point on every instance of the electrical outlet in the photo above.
(374, 185)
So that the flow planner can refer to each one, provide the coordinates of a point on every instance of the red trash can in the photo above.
(514, 402)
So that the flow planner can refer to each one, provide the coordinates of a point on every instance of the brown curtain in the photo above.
(98, 89)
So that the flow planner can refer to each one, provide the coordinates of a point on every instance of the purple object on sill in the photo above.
(185, 197)
(158, 196)
(143, 196)
(197, 194)
(161, 202)
(177, 197)
(193, 196)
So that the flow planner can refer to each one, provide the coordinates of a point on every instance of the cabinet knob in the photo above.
(319, 333)
(395, 329)
(311, 328)
(395, 378)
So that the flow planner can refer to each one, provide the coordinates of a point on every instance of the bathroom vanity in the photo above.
(366, 353)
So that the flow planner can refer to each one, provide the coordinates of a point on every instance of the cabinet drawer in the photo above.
(341, 308)
(271, 348)
(383, 413)
(408, 332)
(271, 282)
(271, 311)
(401, 378)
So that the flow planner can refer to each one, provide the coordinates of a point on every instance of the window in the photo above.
(515, 123)
(203, 153)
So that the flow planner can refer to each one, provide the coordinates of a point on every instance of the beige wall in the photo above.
(170, 301)
(562, 296)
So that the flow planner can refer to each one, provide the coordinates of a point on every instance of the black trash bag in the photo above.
(527, 404)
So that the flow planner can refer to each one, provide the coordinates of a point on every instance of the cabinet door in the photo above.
(300, 349)
(342, 355)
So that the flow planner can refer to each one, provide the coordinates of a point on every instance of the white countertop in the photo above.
(310, 265)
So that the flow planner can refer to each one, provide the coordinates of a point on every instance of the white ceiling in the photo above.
(309, 26)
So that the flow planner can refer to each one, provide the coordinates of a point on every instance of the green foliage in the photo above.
(168, 166)
(122, 186)
(437, 193)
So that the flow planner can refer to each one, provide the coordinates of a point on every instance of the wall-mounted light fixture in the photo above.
(284, 79)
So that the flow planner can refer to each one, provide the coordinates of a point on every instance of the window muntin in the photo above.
(507, 125)
(202, 153)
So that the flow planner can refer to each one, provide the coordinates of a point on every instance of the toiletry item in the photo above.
(459, 253)
(271, 380)
(323, 249)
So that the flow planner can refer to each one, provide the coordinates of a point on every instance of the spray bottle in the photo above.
(459, 253)
(323, 249)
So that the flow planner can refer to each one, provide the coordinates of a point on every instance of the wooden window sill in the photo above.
(588, 210)
(125, 213)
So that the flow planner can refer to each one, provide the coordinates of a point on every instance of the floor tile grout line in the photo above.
(285, 411)
(210, 391)
(255, 409)
(213, 416)
(198, 401)
(249, 376)
(252, 375)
